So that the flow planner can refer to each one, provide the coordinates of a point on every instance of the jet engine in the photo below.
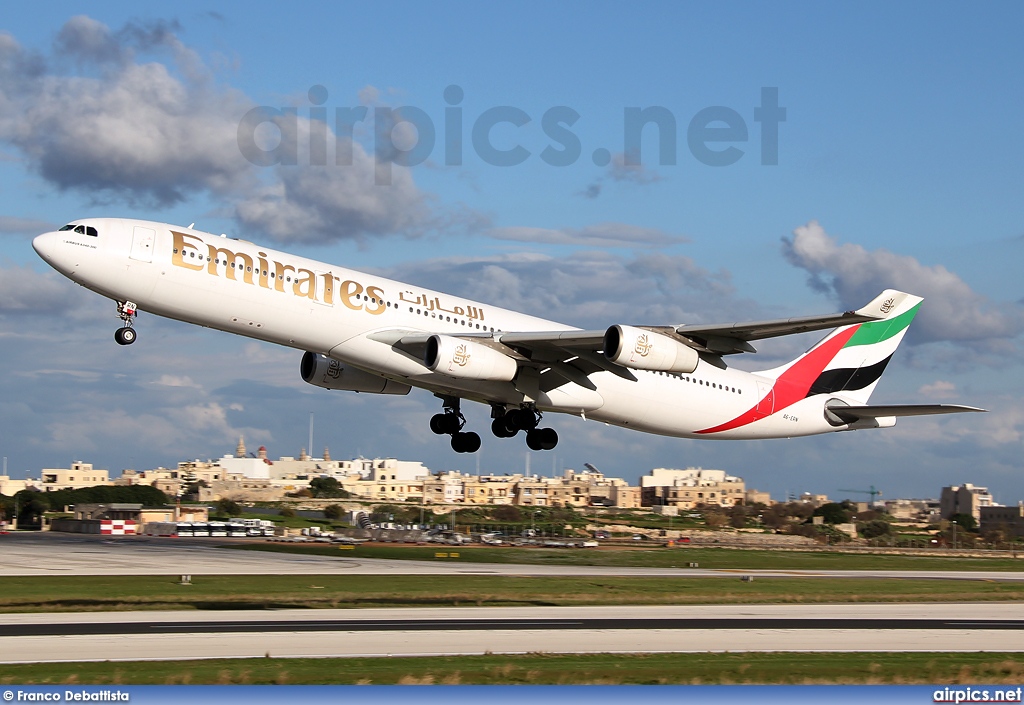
(322, 371)
(645, 350)
(464, 359)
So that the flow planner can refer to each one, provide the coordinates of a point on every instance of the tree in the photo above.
(326, 488)
(874, 528)
(287, 512)
(507, 512)
(229, 507)
(833, 513)
(30, 506)
(965, 521)
(333, 512)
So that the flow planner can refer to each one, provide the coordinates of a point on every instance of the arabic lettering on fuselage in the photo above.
(192, 252)
(434, 304)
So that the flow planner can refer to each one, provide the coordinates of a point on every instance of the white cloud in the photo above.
(952, 311)
(590, 288)
(128, 129)
(321, 204)
(939, 389)
(24, 290)
(144, 119)
(176, 381)
(597, 235)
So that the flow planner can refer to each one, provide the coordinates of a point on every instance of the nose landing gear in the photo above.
(126, 311)
(451, 422)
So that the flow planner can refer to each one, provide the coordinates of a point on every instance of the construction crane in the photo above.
(871, 492)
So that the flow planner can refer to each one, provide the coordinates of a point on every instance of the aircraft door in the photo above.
(765, 399)
(142, 244)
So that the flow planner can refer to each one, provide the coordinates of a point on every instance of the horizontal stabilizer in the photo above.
(850, 414)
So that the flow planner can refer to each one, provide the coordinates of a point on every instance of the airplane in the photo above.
(364, 333)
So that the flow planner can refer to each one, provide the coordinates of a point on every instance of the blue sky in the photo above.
(899, 164)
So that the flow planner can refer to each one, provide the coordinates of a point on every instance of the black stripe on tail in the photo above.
(831, 381)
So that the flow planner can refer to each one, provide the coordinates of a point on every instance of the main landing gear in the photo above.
(507, 423)
(126, 311)
(451, 422)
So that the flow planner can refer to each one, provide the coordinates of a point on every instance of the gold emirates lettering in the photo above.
(189, 252)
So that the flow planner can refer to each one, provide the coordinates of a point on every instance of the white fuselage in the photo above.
(281, 298)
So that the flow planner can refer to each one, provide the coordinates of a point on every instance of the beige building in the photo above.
(691, 487)
(964, 499)
(490, 489)
(78, 476)
(445, 488)
(9, 487)
(1009, 518)
(757, 497)
(139, 514)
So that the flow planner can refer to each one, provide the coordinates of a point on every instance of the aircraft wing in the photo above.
(729, 338)
(851, 414)
(572, 355)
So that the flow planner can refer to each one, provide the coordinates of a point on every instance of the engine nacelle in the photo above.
(464, 359)
(322, 371)
(645, 350)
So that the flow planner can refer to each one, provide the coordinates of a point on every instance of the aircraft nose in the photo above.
(45, 245)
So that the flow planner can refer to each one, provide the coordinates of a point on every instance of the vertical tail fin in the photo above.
(850, 359)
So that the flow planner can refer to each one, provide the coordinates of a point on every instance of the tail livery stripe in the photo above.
(808, 376)
(877, 331)
(793, 384)
(846, 378)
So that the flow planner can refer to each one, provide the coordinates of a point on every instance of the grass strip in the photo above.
(544, 669)
(236, 592)
(654, 557)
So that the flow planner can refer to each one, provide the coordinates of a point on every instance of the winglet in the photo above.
(887, 304)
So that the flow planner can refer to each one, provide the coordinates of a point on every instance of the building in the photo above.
(815, 500)
(1010, 519)
(919, 510)
(78, 476)
(9, 487)
(689, 488)
(964, 499)
(757, 497)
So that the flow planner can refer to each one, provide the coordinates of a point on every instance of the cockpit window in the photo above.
(67, 227)
(83, 230)
(91, 231)
(80, 229)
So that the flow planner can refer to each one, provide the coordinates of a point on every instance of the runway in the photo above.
(462, 631)
(71, 554)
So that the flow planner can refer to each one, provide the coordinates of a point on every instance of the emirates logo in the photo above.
(643, 346)
(888, 305)
(461, 356)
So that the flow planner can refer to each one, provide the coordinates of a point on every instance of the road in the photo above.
(71, 554)
(997, 626)
(473, 630)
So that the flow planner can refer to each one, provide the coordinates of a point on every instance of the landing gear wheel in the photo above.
(542, 439)
(438, 423)
(500, 429)
(526, 419)
(548, 439)
(125, 336)
(465, 442)
(533, 440)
